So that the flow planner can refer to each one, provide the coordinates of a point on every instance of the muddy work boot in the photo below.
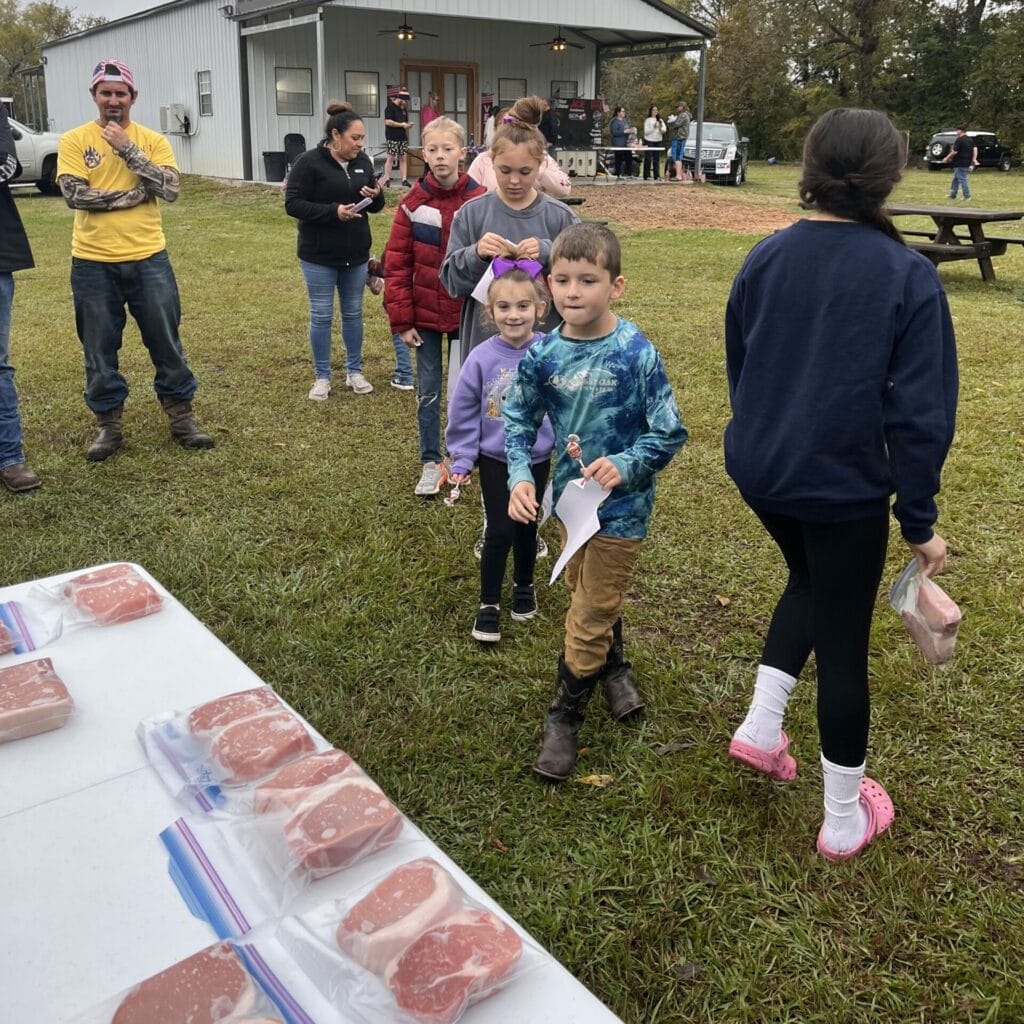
(618, 680)
(562, 725)
(110, 437)
(184, 428)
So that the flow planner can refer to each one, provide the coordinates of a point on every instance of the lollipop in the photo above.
(573, 449)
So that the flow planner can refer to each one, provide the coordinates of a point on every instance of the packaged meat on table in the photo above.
(217, 754)
(33, 699)
(213, 986)
(7, 641)
(293, 783)
(930, 615)
(113, 594)
(414, 948)
(240, 870)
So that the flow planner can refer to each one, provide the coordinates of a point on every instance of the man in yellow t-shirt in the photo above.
(111, 172)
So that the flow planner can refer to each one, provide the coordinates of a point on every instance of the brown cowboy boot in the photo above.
(619, 682)
(110, 436)
(184, 428)
(18, 478)
(562, 724)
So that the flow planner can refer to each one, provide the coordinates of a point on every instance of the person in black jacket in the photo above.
(325, 187)
(15, 254)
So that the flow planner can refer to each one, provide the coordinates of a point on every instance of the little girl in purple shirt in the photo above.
(516, 300)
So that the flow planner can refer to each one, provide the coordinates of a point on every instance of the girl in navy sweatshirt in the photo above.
(843, 383)
(516, 300)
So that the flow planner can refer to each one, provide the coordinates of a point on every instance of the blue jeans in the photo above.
(429, 367)
(403, 360)
(10, 422)
(148, 288)
(321, 283)
(960, 176)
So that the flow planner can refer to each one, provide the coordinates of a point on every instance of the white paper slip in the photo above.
(577, 511)
(480, 291)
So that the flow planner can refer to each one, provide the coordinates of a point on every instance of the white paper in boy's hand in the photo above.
(545, 505)
(480, 291)
(577, 510)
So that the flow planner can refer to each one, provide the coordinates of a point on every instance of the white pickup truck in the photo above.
(37, 154)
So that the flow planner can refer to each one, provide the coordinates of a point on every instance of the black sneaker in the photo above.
(524, 602)
(487, 628)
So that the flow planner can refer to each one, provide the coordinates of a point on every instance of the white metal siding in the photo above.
(500, 49)
(165, 50)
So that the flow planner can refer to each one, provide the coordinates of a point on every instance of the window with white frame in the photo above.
(205, 84)
(294, 87)
(564, 89)
(362, 91)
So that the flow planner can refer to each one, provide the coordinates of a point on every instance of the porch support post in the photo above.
(321, 62)
(701, 77)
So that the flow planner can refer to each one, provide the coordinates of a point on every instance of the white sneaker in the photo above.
(358, 383)
(320, 390)
(432, 479)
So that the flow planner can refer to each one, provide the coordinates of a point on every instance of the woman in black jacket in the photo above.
(325, 190)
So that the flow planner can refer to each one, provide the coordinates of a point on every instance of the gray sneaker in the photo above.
(320, 390)
(358, 383)
(432, 479)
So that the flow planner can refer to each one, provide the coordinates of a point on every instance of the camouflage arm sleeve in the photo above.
(164, 182)
(79, 196)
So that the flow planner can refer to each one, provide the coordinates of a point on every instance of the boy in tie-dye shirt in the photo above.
(599, 378)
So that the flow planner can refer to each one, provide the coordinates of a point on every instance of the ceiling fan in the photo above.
(559, 44)
(405, 31)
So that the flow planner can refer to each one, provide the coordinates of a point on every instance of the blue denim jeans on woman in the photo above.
(429, 368)
(10, 421)
(101, 291)
(321, 284)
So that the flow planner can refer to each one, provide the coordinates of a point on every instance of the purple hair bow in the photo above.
(501, 265)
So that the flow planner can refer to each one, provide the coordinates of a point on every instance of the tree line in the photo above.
(776, 65)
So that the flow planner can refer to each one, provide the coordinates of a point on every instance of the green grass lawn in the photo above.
(687, 889)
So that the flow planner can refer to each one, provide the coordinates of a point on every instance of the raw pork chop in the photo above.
(250, 748)
(410, 900)
(211, 987)
(33, 699)
(457, 962)
(6, 640)
(293, 783)
(340, 823)
(215, 714)
(114, 594)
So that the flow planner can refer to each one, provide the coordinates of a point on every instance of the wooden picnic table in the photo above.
(944, 244)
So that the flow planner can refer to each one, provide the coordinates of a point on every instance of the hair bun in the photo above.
(337, 107)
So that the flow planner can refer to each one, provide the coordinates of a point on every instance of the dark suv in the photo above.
(991, 153)
(723, 152)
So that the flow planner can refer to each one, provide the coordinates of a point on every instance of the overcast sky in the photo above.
(112, 9)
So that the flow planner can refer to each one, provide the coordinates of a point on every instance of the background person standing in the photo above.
(396, 137)
(15, 254)
(680, 122)
(964, 156)
(111, 172)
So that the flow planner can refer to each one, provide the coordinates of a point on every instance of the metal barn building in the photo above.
(228, 80)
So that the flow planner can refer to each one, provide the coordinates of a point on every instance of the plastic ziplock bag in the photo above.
(236, 872)
(25, 626)
(212, 985)
(210, 756)
(410, 946)
(931, 616)
(33, 699)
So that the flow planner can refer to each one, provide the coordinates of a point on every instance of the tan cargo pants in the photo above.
(598, 576)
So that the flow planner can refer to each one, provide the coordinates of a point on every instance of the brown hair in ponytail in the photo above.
(340, 117)
(853, 159)
(518, 125)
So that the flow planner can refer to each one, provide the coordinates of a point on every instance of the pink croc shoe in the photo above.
(880, 815)
(776, 764)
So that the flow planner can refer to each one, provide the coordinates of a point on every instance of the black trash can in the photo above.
(275, 163)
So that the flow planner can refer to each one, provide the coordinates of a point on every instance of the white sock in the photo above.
(845, 818)
(762, 728)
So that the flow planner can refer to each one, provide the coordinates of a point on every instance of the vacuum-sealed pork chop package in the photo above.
(113, 594)
(931, 616)
(33, 699)
(216, 754)
(293, 783)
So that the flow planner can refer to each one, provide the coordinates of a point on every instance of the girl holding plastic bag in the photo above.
(843, 382)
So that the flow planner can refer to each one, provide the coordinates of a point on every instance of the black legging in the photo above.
(834, 572)
(623, 163)
(504, 534)
(652, 160)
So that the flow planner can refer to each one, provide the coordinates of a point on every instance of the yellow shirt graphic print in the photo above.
(113, 236)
